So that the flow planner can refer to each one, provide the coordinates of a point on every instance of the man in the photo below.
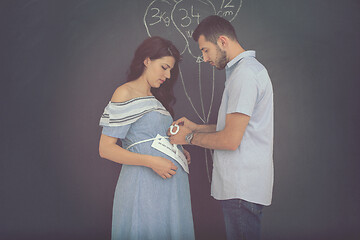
(242, 176)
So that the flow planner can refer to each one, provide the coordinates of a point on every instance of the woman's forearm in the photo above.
(109, 149)
(115, 153)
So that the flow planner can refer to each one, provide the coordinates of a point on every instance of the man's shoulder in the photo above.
(250, 65)
(247, 68)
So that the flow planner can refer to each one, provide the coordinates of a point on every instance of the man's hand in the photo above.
(186, 123)
(179, 138)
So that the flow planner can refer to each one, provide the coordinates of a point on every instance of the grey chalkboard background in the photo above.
(62, 60)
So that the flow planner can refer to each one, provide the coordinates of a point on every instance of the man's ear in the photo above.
(222, 41)
(147, 61)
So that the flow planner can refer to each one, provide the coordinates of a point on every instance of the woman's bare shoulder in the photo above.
(122, 94)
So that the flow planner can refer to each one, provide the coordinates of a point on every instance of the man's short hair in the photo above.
(212, 27)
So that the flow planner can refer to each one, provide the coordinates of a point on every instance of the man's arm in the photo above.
(227, 139)
(207, 128)
(193, 126)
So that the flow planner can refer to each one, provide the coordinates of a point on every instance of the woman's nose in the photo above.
(167, 73)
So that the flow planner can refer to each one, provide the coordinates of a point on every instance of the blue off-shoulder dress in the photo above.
(146, 206)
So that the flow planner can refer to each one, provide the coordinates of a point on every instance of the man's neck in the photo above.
(234, 50)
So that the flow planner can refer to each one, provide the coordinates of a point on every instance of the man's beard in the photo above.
(221, 59)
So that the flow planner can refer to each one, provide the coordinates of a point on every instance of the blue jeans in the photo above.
(242, 219)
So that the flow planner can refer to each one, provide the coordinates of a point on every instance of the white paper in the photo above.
(163, 145)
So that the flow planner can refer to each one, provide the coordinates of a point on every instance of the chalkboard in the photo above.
(62, 60)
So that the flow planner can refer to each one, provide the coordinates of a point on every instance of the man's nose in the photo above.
(205, 58)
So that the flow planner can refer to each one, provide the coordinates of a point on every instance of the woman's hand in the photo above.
(163, 167)
(187, 155)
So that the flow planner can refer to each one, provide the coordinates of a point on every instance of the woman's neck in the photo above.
(142, 86)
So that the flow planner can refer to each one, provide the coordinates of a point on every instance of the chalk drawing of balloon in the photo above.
(186, 15)
(157, 21)
(176, 20)
(228, 9)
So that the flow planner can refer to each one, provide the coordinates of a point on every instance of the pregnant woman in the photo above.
(152, 196)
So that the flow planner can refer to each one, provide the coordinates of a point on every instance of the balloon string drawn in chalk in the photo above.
(182, 16)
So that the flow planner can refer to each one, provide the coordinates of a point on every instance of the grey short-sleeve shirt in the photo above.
(247, 172)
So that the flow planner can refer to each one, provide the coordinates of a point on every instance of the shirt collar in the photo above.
(242, 55)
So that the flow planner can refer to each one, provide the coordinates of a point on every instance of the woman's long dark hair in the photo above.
(155, 48)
